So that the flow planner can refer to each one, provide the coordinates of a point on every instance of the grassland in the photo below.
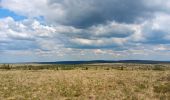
(85, 82)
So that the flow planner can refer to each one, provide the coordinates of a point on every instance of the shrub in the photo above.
(7, 67)
(162, 88)
(67, 68)
(158, 67)
(85, 68)
(107, 68)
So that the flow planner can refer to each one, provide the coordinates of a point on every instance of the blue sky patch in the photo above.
(6, 13)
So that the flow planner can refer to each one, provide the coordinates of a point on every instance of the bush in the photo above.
(158, 67)
(7, 67)
(107, 68)
(67, 68)
(85, 68)
(165, 88)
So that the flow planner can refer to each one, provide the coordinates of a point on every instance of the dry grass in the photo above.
(84, 85)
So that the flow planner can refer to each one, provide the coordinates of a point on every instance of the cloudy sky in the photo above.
(55, 30)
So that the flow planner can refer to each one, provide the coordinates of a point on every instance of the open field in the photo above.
(85, 82)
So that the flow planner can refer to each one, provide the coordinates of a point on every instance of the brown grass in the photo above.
(84, 85)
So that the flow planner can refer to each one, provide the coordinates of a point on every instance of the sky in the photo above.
(62, 30)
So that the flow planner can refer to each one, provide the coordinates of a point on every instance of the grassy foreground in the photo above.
(89, 83)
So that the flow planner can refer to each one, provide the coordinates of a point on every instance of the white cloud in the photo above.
(82, 13)
(80, 28)
(157, 30)
(112, 29)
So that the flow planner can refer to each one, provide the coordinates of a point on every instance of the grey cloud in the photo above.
(110, 35)
(86, 13)
(89, 24)
(82, 43)
(112, 29)
(16, 35)
(156, 37)
(109, 30)
(18, 45)
(156, 31)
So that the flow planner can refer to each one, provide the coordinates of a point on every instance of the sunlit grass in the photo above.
(81, 84)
